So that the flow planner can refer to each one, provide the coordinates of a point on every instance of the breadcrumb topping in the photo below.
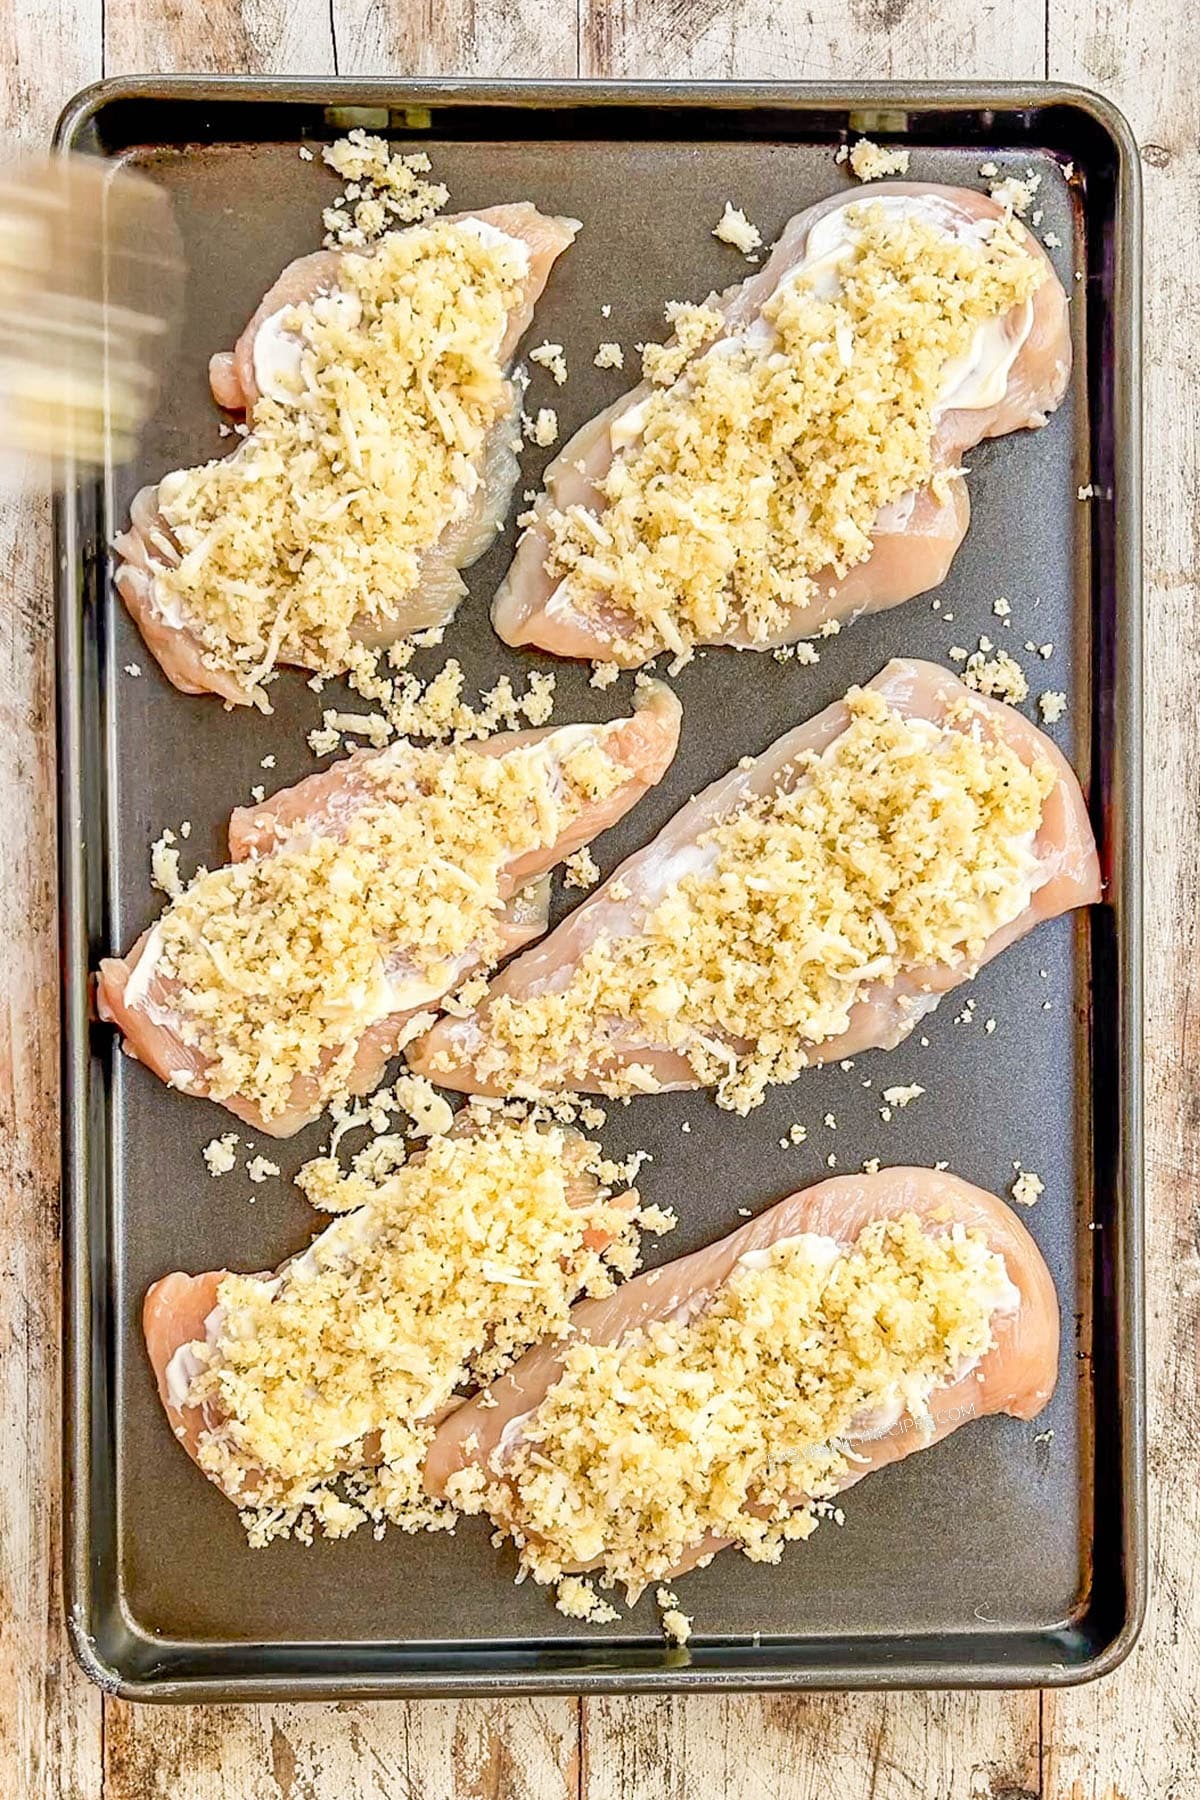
(450, 1268)
(276, 965)
(735, 228)
(728, 1425)
(1000, 676)
(765, 460)
(900, 846)
(871, 162)
(317, 525)
(384, 187)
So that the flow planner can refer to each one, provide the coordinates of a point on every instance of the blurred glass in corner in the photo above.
(91, 282)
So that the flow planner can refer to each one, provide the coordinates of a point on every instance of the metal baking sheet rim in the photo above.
(321, 1679)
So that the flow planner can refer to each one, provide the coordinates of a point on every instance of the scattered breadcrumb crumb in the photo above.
(552, 358)
(261, 1168)
(220, 1153)
(871, 162)
(1001, 608)
(677, 1625)
(580, 870)
(1001, 678)
(132, 668)
(383, 188)
(1089, 492)
(1028, 1188)
(871, 1166)
(902, 1096)
(268, 762)
(1052, 240)
(1052, 705)
(734, 228)
(604, 674)
(578, 1599)
(164, 866)
(306, 155)
(542, 430)
(609, 356)
(1015, 193)
(987, 170)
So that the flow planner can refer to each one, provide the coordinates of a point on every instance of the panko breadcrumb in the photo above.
(761, 459)
(734, 1422)
(871, 162)
(384, 187)
(902, 845)
(734, 228)
(449, 1268)
(316, 526)
(1001, 677)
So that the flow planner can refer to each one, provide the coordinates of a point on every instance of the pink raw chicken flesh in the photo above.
(183, 1309)
(148, 545)
(1016, 1376)
(1068, 875)
(915, 538)
(644, 743)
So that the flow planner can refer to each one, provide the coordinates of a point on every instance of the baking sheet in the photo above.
(1013, 1552)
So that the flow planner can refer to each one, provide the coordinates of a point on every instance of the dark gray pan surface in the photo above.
(1005, 1554)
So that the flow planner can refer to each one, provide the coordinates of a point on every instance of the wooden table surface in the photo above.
(1135, 1734)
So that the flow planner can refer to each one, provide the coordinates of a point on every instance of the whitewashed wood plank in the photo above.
(904, 1747)
(50, 1718)
(1137, 1735)
(424, 1750)
(219, 37)
(823, 40)
(503, 37)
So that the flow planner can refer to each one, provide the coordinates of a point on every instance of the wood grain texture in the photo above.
(471, 37)
(1137, 1736)
(820, 40)
(217, 37)
(774, 1747)
(428, 1750)
(50, 1719)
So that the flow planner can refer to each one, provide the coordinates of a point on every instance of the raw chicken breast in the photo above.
(148, 545)
(1066, 874)
(914, 539)
(322, 806)
(1016, 1376)
(181, 1311)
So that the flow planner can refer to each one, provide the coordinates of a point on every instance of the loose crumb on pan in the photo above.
(609, 356)
(871, 162)
(164, 865)
(435, 708)
(1052, 705)
(384, 187)
(552, 358)
(676, 1624)
(578, 1599)
(1000, 676)
(1015, 192)
(580, 869)
(735, 228)
(1027, 1188)
(261, 1168)
(722, 1423)
(542, 429)
(220, 1153)
(320, 1383)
